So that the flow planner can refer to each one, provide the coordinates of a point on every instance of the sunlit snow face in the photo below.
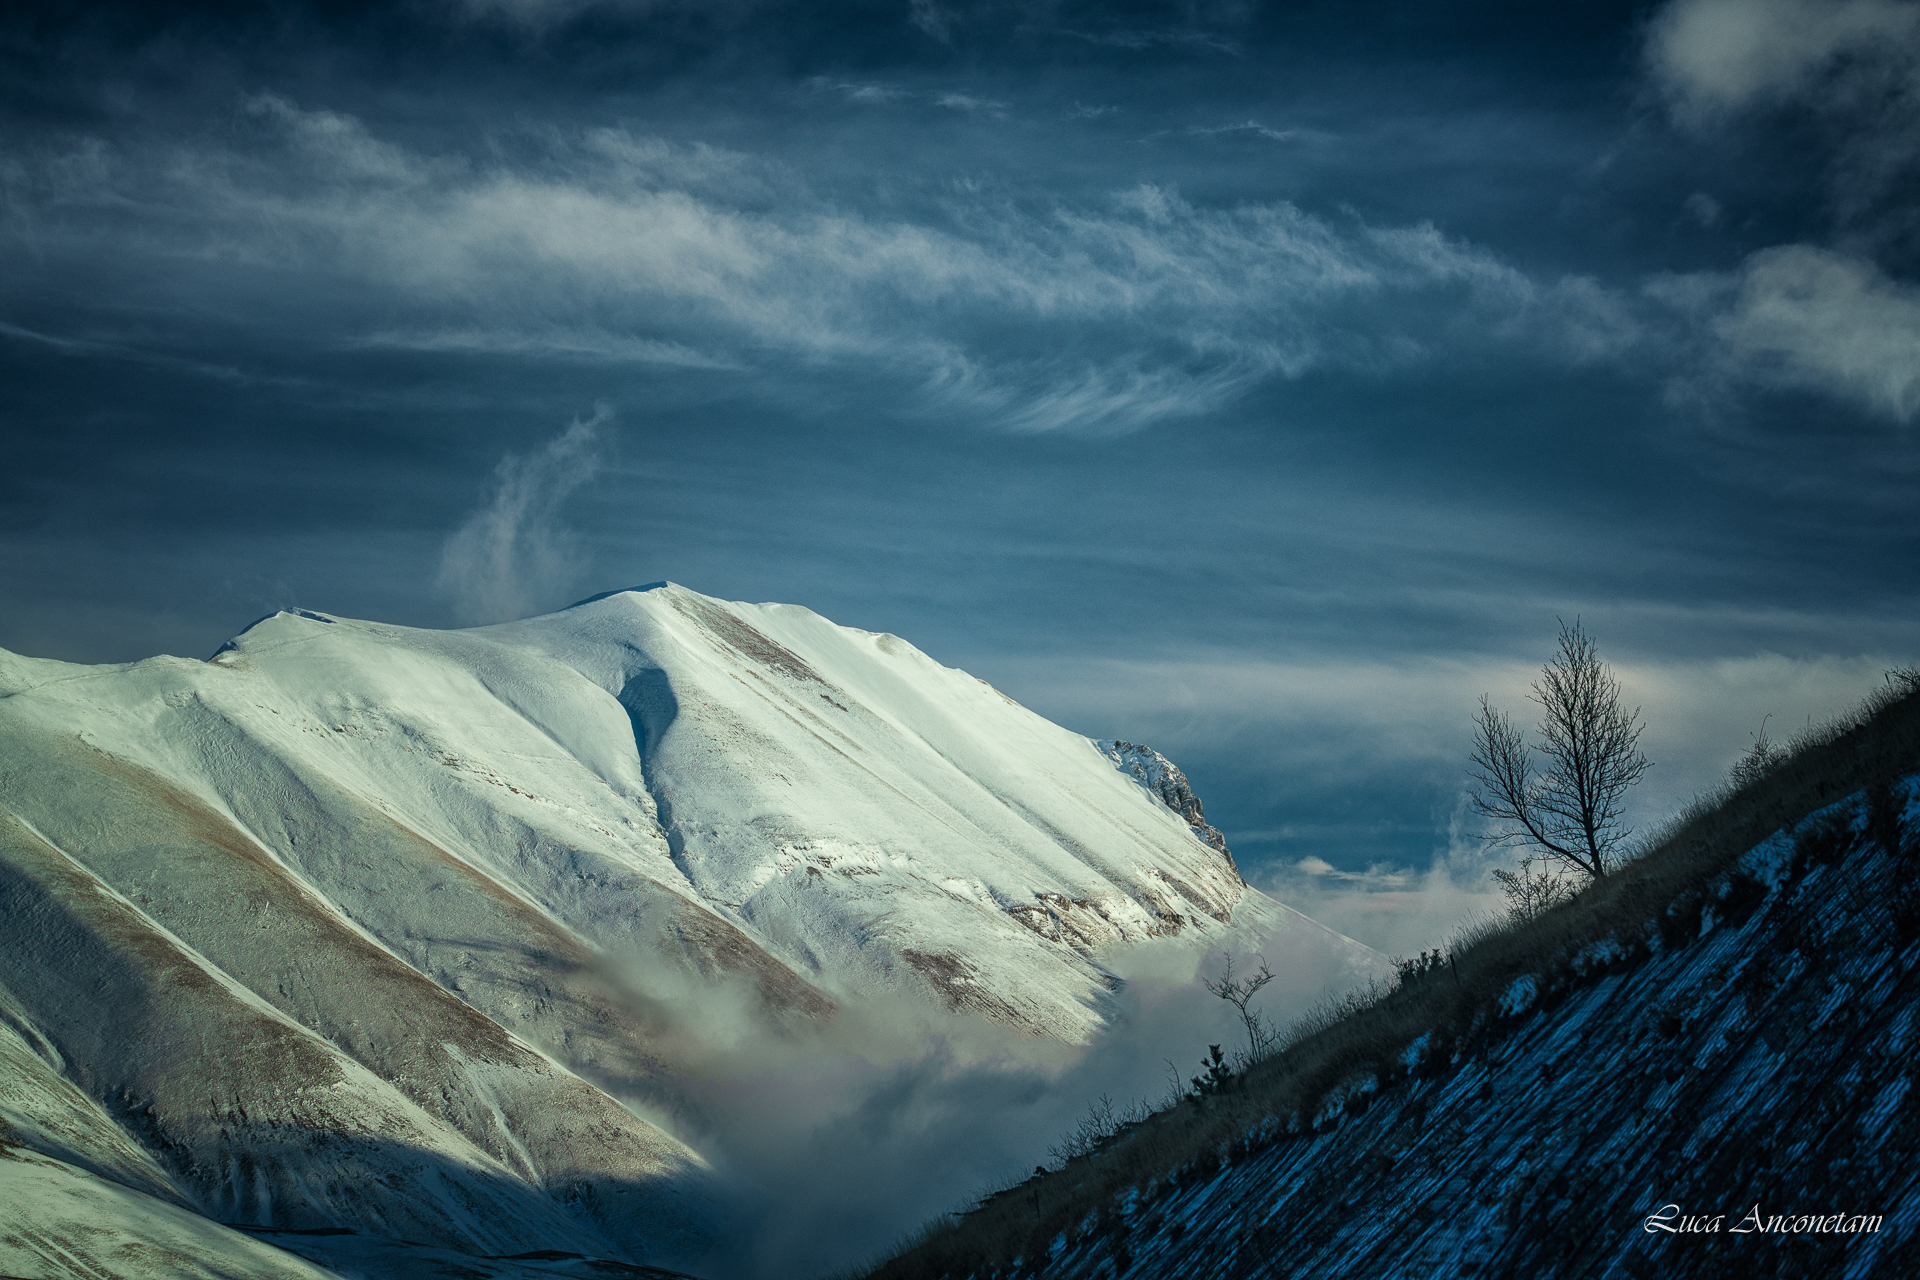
(797, 901)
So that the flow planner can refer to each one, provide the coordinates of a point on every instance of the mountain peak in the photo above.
(621, 591)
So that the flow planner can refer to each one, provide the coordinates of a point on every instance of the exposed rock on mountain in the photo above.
(1162, 777)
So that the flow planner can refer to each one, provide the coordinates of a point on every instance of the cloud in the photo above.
(855, 91)
(513, 554)
(1816, 318)
(1803, 317)
(1341, 729)
(1717, 57)
(575, 344)
(961, 102)
(1246, 129)
(1702, 208)
(537, 16)
(531, 13)
(1108, 399)
(931, 18)
(1397, 910)
(836, 1137)
(1140, 38)
(1853, 65)
(1036, 314)
(138, 354)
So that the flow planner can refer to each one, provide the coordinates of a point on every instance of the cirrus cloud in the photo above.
(1028, 314)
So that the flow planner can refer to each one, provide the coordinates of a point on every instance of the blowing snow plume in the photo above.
(498, 564)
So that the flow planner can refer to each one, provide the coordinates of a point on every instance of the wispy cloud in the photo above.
(876, 94)
(573, 344)
(1245, 129)
(1396, 910)
(1803, 317)
(1146, 305)
(1156, 37)
(114, 350)
(514, 554)
(964, 102)
(855, 91)
(534, 13)
(931, 18)
(538, 16)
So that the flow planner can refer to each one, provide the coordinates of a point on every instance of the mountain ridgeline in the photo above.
(1702, 1065)
(398, 951)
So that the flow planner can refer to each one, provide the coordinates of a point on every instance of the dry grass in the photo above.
(1365, 1035)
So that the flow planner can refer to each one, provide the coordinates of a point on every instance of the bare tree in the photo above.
(1240, 994)
(1571, 810)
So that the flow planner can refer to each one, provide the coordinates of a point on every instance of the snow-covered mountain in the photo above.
(361, 926)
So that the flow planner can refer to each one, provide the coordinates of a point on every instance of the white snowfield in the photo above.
(363, 926)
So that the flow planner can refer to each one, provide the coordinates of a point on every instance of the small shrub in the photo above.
(1535, 889)
(1762, 758)
(1215, 1075)
(1423, 966)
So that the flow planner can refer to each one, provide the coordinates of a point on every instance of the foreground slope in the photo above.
(409, 932)
(1704, 1067)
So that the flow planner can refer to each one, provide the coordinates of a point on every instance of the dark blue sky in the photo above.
(1260, 381)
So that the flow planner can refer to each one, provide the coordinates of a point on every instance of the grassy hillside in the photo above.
(1682, 880)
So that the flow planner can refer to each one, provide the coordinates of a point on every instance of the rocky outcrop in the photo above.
(1163, 778)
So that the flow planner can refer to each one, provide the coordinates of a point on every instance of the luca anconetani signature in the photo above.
(1670, 1220)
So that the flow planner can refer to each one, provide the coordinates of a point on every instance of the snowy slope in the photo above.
(63, 1221)
(1720, 1084)
(363, 925)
